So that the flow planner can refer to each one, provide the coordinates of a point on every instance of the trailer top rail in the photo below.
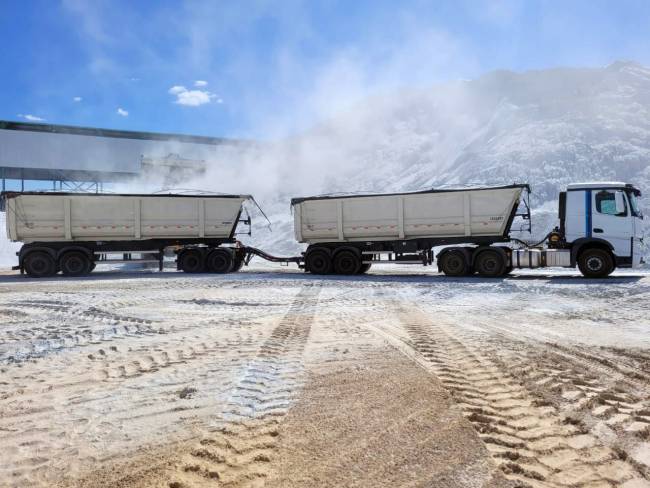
(297, 200)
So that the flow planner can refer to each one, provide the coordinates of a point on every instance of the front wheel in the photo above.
(39, 264)
(595, 263)
(191, 261)
(318, 261)
(454, 263)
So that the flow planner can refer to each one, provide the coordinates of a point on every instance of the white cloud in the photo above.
(175, 90)
(192, 98)
(200, 83)
(122, 112)
(77, 99)
(31, 118)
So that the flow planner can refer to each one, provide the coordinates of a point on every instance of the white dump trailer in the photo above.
(600, 229)
(406, 216)
(71, 232)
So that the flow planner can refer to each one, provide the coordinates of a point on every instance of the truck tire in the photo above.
(75, 263)
(318, 261)
(191, 261)
(39, 264)
(595, 263)
(238, 264)
(454, 263)
(220, 261)
(347, 262)
(490, 263)
(365, 268)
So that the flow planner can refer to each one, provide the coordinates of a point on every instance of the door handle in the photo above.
(598, 230)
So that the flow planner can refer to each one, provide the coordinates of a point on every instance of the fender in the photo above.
(578, 244)
(25, 250)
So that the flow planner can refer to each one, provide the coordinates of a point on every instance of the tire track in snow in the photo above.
(531, 441)
(239, 449)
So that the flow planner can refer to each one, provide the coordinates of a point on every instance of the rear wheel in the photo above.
(39, 264)
(318, 261)
(75, 263)
(347, 262)
(364, 268)
(454, 263)
(490, 264)
(238, 264)
(595, 263)
(220, 261)
(191, 261)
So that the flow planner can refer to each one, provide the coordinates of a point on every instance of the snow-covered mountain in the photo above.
(547, 128)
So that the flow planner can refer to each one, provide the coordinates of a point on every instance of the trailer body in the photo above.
(71, 217)
(433, 214)
(57, 227)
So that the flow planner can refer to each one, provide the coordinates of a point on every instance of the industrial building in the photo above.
(73, 158)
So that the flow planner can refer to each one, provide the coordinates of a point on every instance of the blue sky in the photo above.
(263, 68)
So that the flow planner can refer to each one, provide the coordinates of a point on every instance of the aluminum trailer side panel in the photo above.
(52, 217)
(435, 214)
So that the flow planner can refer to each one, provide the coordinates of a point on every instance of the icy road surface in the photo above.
(271, 377)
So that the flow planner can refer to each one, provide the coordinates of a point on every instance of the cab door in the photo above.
(611, 220)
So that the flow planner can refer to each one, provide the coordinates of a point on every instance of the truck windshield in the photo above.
(634, 203)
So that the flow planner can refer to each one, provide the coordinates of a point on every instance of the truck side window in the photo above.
(606, 203)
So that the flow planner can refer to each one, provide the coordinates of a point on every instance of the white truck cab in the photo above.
(601, 224)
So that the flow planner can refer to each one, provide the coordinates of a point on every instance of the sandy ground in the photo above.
(271, 377)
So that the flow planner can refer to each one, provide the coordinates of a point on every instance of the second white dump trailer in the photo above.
(72, 232)
(600, 229)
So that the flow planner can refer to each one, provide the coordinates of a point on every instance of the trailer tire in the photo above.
(454, 263)
(318, 261)
(39, 264)
(220, 261)
(595, 263)
(75, 263)
(191, 261)
(490, 263)
(365, 268)
(239, 263)
(347, 262)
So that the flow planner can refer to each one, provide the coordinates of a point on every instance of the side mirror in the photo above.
(620, 203)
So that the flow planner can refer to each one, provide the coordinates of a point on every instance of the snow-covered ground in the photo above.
(167, 379)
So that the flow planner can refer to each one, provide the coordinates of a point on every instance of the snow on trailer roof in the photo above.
(295, 201)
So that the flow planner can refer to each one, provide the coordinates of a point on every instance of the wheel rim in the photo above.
(453, 264)
(39, 265)
(319, 263)
(191, 262)
(489, 264)
(73, 265)
(219, 262)
(594, 263)
(346, 264)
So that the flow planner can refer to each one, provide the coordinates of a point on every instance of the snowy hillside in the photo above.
(547, 128)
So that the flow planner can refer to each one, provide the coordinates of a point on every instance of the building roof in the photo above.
(124, 134)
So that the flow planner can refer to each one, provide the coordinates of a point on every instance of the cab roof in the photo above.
(601, 184)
